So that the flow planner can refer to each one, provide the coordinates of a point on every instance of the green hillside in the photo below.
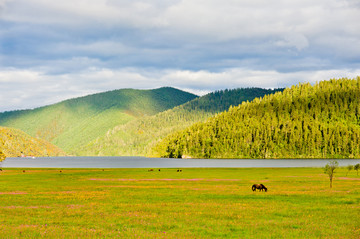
(15, 143)
(2, 156)
(139, 136)
(320, 121)
(76, 122)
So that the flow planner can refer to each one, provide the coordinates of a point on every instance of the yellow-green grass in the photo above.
(194, 203)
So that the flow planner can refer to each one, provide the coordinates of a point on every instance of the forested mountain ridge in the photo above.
(15, 143)
(76, 122)
(304, 121)
(139, 136)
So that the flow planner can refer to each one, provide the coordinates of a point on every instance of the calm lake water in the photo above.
(142, 162)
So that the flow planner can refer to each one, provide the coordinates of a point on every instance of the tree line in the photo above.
(139, 136)
(304, 121)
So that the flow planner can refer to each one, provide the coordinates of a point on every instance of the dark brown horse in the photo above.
(261, 187)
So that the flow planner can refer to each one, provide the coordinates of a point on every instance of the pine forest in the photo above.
(137, 137)
(304, 121)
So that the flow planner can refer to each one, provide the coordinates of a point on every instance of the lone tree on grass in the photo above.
(357, 167)
(330, 170)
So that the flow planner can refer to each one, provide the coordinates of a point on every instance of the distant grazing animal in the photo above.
(179, 170)
(261, 187)
(150, 170)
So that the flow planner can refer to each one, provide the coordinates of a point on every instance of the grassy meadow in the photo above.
(194, 203)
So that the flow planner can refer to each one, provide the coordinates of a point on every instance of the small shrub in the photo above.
(330, 170)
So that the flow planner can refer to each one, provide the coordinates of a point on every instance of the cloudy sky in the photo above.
(54, 50)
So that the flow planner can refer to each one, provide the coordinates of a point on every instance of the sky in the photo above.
(54, 50)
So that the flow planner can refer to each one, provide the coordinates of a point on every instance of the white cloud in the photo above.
(29, 89)
(15, 76)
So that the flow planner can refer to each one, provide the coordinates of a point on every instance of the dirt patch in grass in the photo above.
(13, 192)
(133, 186)
(73, 206)
(161, 179)
(59, 192)
(25, 207)
(345, 178)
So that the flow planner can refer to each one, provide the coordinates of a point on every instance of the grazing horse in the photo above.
(261, 187)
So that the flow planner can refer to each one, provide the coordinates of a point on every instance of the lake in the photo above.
(143, 162)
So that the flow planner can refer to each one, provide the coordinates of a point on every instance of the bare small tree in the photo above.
(349, 168)
(330, 170)
(357, 167)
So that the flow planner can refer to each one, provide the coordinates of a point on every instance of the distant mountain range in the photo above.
(123, 122)
(137, 137)
(304, 121)
(74, 123)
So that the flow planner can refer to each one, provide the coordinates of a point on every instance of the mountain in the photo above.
(15, 143)
(138, 136)
(76, 122)
(304, 121)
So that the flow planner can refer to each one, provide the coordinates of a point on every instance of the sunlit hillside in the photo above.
(15, 143)
(304, 121)
(74, 123)
(139, 136)
(2, 156)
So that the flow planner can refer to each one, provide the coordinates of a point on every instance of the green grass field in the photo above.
(194, 203)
